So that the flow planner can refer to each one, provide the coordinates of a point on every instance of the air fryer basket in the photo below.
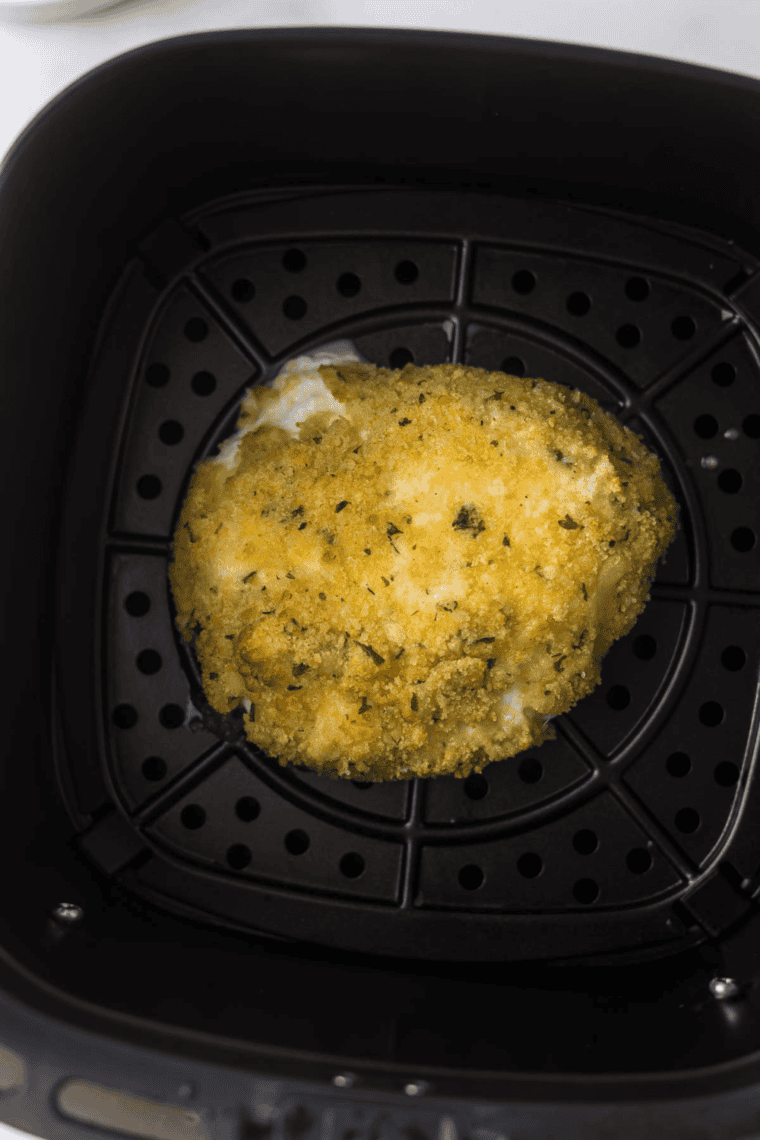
(551, 934)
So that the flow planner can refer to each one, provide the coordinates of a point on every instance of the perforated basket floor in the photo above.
(629, 834)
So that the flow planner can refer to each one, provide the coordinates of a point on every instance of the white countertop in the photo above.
(37, 60)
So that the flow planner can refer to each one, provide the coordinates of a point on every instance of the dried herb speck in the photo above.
(415, 703)
(371, 653)
(568, 524)
(468, 519)
(343, 503)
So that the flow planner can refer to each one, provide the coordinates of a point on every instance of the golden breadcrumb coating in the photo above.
(416, 588)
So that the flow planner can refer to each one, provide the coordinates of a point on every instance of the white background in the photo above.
(37, 60)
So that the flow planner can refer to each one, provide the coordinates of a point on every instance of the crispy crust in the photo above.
(491, 534)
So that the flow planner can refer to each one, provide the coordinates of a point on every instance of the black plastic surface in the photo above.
(102, 210)
(600, 822)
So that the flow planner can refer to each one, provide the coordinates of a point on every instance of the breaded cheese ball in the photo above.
(413, 577)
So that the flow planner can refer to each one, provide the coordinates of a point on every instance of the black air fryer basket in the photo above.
(197, 942)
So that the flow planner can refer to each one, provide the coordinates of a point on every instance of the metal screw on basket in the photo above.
(724, 988)
(344, 1080)
(416, 1088)
(68, 913)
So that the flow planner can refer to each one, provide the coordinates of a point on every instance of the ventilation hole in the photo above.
(683, 328)
(530, 865)
(585, 891)
(578, 304)
(157, 375)
(296, 842)
(711, 714)
(170, 432)
(406, 272)
(742, 539)
(125, 716)
(154, 768)
(687, 820)
(400, 357)
(733, 658)
(638, 860)
(203, 383)
(705, 426)
(294, 308)
(524, 282)
(585, 842)
(513, 366)
(238, 856)
(644, 647)
(149, 661)
(475, 786)
(196, 329)
(618, 697)
(730, 481)
(172, 716)
(137, 604)
(726, 774)
(530, 770)
(637, 289)
(678, 764)
(294, 260)
(348, 284)
(723, 374)
(628, 336)
(149, 487)
(247, 808)
(751, 426)
(362, 785)
(192, 817)
(243, 291)
(352, 865)
(471, 877)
